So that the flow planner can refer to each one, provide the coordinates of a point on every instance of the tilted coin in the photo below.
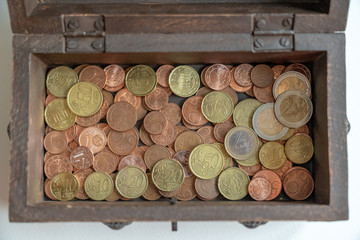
(291, 81)
(298, 67)
(244, 111)
(58, 115)
(84, 99)
(299, 149)
(217, 107)
(266, 125)
(162, 75)
(131, 182)
(81, 176)
(241, 143)
(60, 80)
(64, 186)
(168, 175)
(293, 109)
(184, 81)
(233, 183)
(114, 195)
(98, 186)
(191, 111)
(206, 161)
(151, 193)
(278, 70)
(140, 80)
(272, 155)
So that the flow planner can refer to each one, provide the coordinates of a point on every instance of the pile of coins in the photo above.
(191, 128)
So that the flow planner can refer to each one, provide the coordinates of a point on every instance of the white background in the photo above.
(208, 230)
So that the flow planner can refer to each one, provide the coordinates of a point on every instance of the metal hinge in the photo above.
(84, 33)
(273, 32)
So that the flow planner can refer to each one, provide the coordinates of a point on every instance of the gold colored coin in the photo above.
(84, 99)
(217, 107)
(184, 81)
(60, 79)
(241, 143)
(228, 161)
(291, 80)
(266, 125)
(140, 80)
(206, 161)
(58, 115)
(272, 155)
(64, 186)
(299, 149)
(252, 161)
(168, 175)
(293, 109)
(131, 182)
(244, 111)
(98, 186)
(233, 183)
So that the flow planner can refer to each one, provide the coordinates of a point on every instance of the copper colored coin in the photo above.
(232, 94)
(250, 92)
(183, 158)
(154, 154)
(126, 96)
(298, 67)
(274, 180)
(221, 129)
(166, 89)
(93, 74)
(172, 112)
(57, 164)
(69, 133)
(72, 145)
(115, 76)
(217, 77)
(121, 116)
(303, 129)
(207, 134)
(155, 122)
(298, 184)
(264, 95)
(162, 75)
(207, 188)
(169, 194)
(78, 130)
(105, 162)
(191, 111)
(259, 189)
(55, 142)
(157, 99)
(151, 192)
(187, 141)
(140, 151)
(89, 121)
(142, 111)
(132, 160)
(167, 137)
(293, 169)
(47, 190)
(242, 75)
(81, 158)
(235, 86)
(262, 75)
(114, 195)
(118, 158)
(79, 68)
(203, 91)
(49, 98)
(172, 152)
(145, 136)
(179, 129)
(189, 126)
(187, 190)
(65, 153)
(277, 70)
(81, 177)
(104, 107)
(281, 171)
(202, 76)
(123, 143)
(93, 138)
(251, 170)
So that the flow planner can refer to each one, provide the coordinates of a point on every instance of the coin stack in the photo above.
(95, 118)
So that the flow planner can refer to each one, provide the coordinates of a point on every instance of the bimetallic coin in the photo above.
(84, 99)
(272, 155)
(233, 183)
(206, 161)
(58, 115)
(60, 80)
(140, 80)
(241, 143)
(293, 109)
(252, 161)
(168, 175)
(266, 125)
(299, 149)
(64, 186)
(131, 182)
(98, 186)
(291, 81)
(184, 81)
(244, 111)
(217, 107)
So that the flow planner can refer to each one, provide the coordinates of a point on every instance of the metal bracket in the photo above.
(252, 225)
(273, 32)
(116, 225)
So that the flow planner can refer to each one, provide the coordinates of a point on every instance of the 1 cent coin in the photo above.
(162, 75)
(262, 75)
(172, 112)
(191, 111)
(274, 180)
(154, 154)
(55, 142)
(132, 160)
(155, 122)
(207, 188)
(121, 116)
(157, 99)
(242, 75)
(57, 164)
(105, 162)
(123, 143)
(217, 77)
(93, 74)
